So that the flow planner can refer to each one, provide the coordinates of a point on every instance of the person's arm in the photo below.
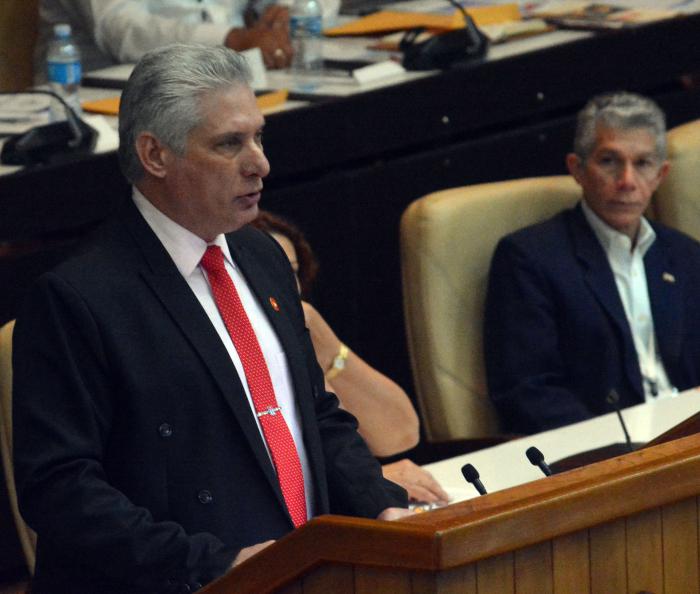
(126, 29)
(418, 482)
(270, 33)
(356, 486)
(64, 403)
(387, 419)
(526, 373)
(388, 422)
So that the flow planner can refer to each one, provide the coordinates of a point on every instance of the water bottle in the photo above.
(305, 26)
(63, 68)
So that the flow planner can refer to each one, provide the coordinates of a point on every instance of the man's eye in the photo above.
(259, 138)
(645, 164)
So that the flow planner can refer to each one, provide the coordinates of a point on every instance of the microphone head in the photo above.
(470, 473)
(534, 455)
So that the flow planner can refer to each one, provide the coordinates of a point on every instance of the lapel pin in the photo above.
(274, 304)
(668, 277)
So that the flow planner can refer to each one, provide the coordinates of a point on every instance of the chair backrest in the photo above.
(447, 240)
(18, 30)
(27, 538)
(677, 201)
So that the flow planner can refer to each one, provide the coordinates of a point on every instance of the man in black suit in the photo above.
(597, 298)
(142, 451)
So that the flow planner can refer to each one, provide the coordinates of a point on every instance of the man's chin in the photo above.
(627, 225)
(252, 211)
(245, 216)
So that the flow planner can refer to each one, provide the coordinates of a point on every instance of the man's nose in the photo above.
(627, 175)
(256, 162)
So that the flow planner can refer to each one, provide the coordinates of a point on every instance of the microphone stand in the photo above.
(475, 37)
(442, 51)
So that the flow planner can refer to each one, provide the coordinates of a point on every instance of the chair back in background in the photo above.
(18, 30)
(677, 201)
(27, 538)
(447, 240)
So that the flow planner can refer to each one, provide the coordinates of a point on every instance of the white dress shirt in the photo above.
(627, 264)
(114, 31)
(109, 32)
(186, 249)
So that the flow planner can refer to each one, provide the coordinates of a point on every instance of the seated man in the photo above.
(597, 298)
(170, 415)
(112, 31)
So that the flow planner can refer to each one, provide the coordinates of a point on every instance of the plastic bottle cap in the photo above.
(62, 30)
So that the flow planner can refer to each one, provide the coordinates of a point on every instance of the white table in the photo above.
(506, 465)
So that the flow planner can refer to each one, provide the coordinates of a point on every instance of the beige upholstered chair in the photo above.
(447, 239)
(18, 30)
(27, 537)
(677, 202)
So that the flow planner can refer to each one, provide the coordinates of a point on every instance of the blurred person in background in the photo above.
(387, 420)
(120, 31)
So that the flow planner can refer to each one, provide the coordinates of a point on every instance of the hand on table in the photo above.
(394, 513)
(419, 483)
(270, 33)
(247, 552)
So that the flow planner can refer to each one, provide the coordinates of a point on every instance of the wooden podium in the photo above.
(625, 525)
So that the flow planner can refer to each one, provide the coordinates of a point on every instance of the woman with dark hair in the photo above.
(387, 420)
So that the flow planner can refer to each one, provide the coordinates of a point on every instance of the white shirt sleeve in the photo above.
(126, 29)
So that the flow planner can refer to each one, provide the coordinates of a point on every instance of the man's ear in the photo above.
(575, 166)
(153, 154)
(663, 172)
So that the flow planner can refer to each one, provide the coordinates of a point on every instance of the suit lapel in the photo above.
(666, 300)
(267, 291)
(163, 277)
(600, 279)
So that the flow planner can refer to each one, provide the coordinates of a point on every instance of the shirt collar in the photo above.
(185, 248)
(611, 238)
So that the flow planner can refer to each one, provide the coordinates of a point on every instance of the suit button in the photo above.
(165, 430)
(205, 497)
(196, 586)
(174, 586)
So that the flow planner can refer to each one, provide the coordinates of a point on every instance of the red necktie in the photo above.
(279, 440)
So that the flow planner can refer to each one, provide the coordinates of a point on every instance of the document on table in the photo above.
(20, 112)
(680, 6)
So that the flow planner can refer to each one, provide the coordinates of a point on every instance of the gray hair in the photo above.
(619, 111)
(163, 96)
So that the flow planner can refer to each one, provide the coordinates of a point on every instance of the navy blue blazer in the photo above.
(556, 338)
(138, 461)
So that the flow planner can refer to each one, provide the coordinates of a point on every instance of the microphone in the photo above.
(43, 144)
(471, 475)
(537, 459)
(613, 400)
